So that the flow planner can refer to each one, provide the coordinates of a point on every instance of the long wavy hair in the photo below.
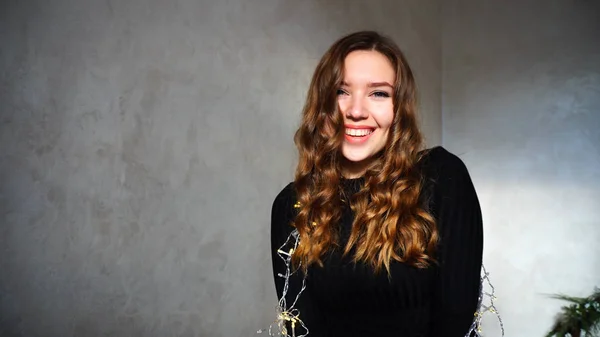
(391, 222)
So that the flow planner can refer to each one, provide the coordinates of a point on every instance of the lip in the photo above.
(358, 127)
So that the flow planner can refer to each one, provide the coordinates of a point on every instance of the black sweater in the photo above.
(347, 299)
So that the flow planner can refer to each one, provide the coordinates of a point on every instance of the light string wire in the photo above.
(287, 314)
(482, 308)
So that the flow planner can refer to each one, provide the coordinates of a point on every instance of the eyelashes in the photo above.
(378, 94)
(381, 94)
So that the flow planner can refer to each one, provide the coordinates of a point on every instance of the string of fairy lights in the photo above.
(483, 308)
(288, 314)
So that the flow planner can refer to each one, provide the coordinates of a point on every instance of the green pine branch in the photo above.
(581, 315)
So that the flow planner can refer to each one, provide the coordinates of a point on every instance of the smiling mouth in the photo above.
(359, 132)
(357, 136)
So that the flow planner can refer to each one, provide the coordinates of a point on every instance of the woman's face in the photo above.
(365, 101)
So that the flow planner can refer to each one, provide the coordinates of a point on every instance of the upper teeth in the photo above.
(358, 132)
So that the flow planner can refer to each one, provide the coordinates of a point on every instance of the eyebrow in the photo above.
(373, 84)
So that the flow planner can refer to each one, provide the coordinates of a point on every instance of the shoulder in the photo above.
(447, 179)
(282, 213)
(285, 197)
(440, 164)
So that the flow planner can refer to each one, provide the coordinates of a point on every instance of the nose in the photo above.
(357, 108)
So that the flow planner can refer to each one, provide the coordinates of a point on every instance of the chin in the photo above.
(356, 157)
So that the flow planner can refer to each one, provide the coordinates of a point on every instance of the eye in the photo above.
(382, 94)
(341, 92)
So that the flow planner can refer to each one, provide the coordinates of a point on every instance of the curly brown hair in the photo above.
(390, 223)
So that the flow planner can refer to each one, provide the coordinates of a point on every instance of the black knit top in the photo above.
(348, 299)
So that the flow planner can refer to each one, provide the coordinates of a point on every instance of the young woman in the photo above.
(389, 235)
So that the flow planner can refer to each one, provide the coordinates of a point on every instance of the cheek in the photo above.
(384, 116)
(342, 104)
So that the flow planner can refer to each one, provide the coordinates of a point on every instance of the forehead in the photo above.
(364, 66)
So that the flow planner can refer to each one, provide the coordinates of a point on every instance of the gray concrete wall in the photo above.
(521, 106)
(142, 143)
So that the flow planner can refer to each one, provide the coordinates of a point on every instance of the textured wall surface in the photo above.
(142, 144)
(521, 106)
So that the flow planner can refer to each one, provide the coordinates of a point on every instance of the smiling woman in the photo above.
(386, 237)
